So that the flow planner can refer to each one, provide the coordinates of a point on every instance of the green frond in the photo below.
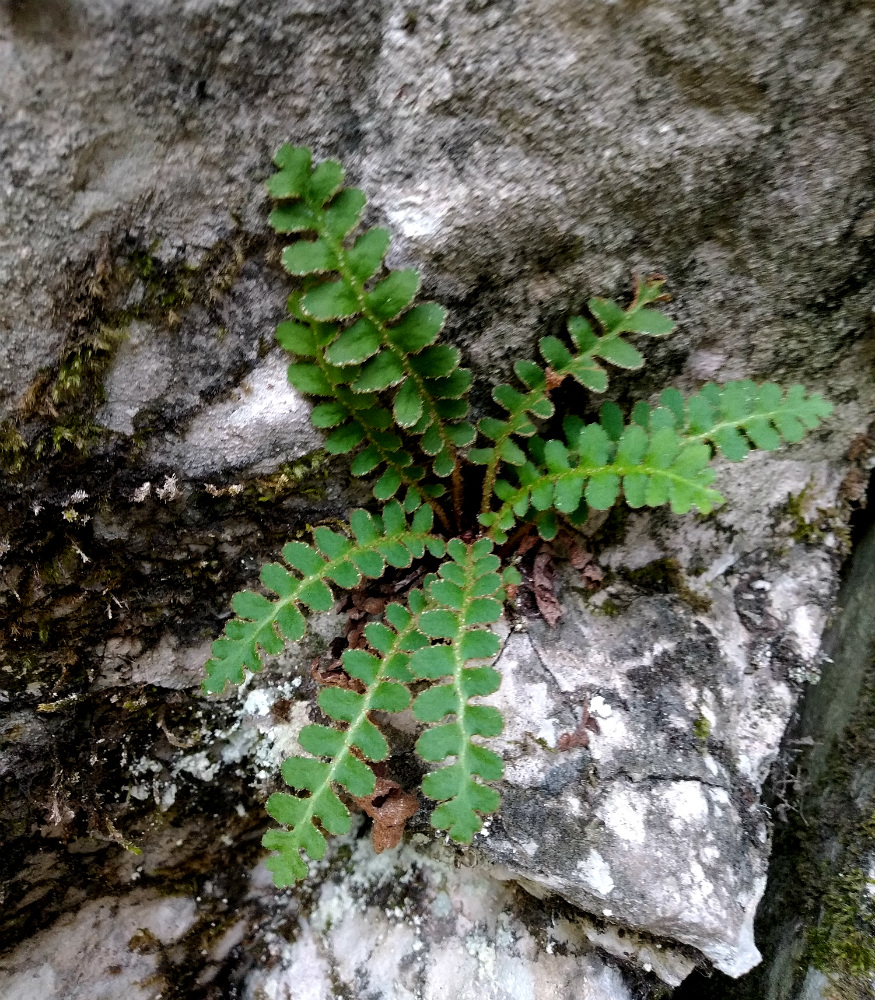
(662, 457)
(466, 595)
(740, 416)
(367, 337)
(262, 624)
(347, 750)
(608, 346)
(581, 365)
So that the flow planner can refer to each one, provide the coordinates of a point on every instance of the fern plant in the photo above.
(395, 400)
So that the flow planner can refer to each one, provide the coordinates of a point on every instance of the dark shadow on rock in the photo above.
(49, 21)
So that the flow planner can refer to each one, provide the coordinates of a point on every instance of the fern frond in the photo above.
(366, 329)
(740, 416)
(661, 457)
(581, 366)
(609, 346)
(348, 750)
(467, 594)
(262, 624)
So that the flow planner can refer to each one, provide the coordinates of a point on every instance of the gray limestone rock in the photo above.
(657, 823)
(111, 949)
(403, 927)
(526, 155)
(264, 423)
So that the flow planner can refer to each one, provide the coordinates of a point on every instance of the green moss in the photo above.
(844, 940)
(84, 364)
(842, 943)
(666, 576)
(13, 448)
(801, 529)
(811, 527)
(826, 857)
(167, 289)
(303, 477)
(66, 401)
(702, 729)
(100, 303)
(75, 435)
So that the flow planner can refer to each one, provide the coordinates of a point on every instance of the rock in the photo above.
(166, 665)
(141, 374)
(111, 948)
(815, 924)
(460, 127)
(265, 423)
(656, 823)
(526, 156)
(405, 925)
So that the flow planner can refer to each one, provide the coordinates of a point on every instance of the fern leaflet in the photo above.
(468, 593)
(261, 623)
(348, 750)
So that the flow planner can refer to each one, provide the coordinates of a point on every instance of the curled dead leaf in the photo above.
(854, 485)
(332, 674)
(553, 379)
(861, 446)
(389, 807)
(527, 543)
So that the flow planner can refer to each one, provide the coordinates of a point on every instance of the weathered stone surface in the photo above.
(404, 926)
(816, 921)
(652, 824)
(264, 423)
(110, 949)
(527, 155)
(400, 927)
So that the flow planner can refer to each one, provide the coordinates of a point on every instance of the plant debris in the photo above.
(389, 807)
(580, 737)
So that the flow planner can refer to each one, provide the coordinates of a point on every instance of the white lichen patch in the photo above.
(599, 707)
(198, 765)
(686, 804)
(805, 620)
(623, 813)
(596, 873)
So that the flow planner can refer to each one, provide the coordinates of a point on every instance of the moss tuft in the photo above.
(811, 527)
(97, 305)
(702, 729)
(305, 476)
(13, 448)
(844, 940)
